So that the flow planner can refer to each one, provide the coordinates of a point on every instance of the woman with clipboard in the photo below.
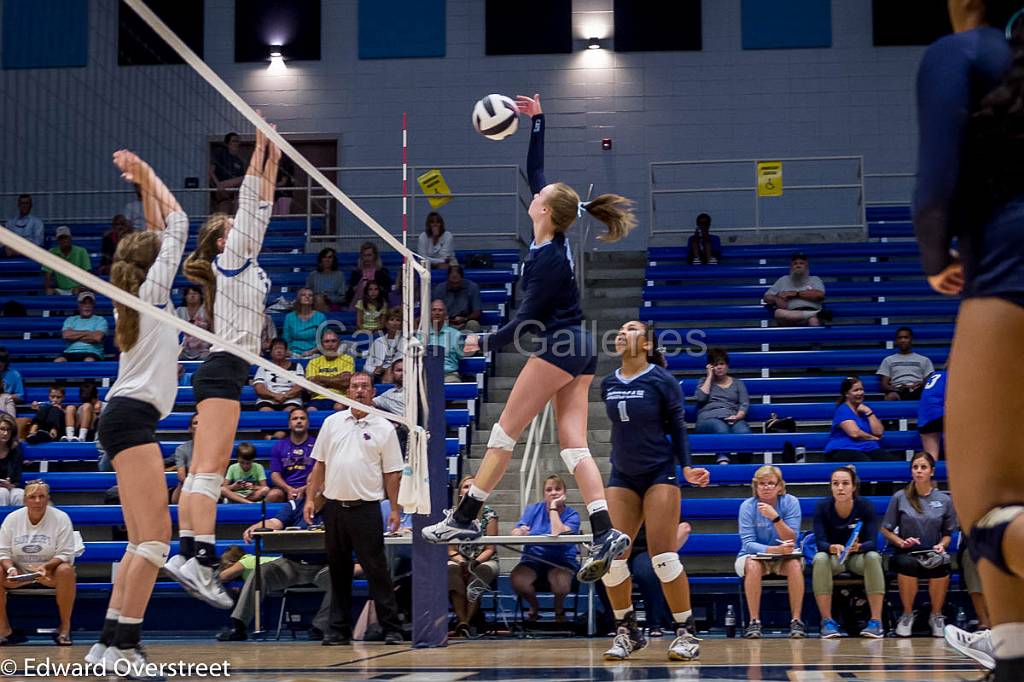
(845, 527)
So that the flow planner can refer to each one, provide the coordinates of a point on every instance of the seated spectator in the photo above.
(919, 523)
(931, 411)
(435, 244)
(276, 391)
(462, 299)
(38, 539)
(769, 525)
(267, 334)
(183, 457)
(58, 282)
(25, 224)
(534, 571)
(902, 374)
(371, 309)
(723, 400)
(85, 416)
(302, 324)
(839, 551)
(12, 461)
(119, 227)
(798, 296)
(194, 312)
(84, 332)
(332, 369)
(393, 399)
(368, 269)
(657, 617)
(291, 459)
(226, 173)
(49, 420)
(245, 481)
(277, 574)
(703, 248)
(472, 569)
(11, 377)
(855, 428)
(449, 338)
(387, 348)
(326, 282)
(133, 212)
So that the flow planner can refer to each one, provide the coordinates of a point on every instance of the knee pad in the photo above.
(186, 487)
(667, 566)
(617, 573)
(207, 484)
(130, 549)
(986, 537)
(501, 440)
(154, 552)
(573, 456)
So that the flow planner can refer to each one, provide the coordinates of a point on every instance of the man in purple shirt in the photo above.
(290, 460)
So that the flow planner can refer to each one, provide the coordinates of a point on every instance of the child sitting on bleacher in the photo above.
(49, 419)
(85, 416)
(245, 481)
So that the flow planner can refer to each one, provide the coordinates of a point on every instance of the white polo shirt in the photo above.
(356, 455)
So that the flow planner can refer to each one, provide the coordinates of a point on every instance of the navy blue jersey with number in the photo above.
(648, 421)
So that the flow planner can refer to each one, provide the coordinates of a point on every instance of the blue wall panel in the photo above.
(401, 28)
(40, 35)
(786, 24)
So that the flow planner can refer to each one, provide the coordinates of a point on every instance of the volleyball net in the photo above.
(155, 96)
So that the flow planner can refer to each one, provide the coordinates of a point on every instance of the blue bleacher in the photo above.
(775, 442)
(753, 292)
(802, 359)
(776, 252)
(112, 514)
(891, 229)
(716, 336)
(794, 386)
(885, 409)
(662, 273)
(938, 307)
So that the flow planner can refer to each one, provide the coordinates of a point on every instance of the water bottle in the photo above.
(730, 621)
(961, 618)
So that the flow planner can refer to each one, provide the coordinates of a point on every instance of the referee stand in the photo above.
(430, 561)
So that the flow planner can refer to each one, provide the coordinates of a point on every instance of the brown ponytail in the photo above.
(134, 256)
(614, 211)
(198, 267)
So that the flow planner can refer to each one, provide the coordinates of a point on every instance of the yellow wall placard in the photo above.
(769, 178)
(432, 182)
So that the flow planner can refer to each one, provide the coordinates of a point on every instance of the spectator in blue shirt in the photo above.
(855, 428)
(448, 337)
(84, 332)
(547, 567)
(703, 248)
(770, 525)
(13, 384)
(301, 325)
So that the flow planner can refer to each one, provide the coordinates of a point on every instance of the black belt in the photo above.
(347, 504)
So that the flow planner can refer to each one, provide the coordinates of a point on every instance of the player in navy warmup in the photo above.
(645, 405)
(970, 185)
(563, 367)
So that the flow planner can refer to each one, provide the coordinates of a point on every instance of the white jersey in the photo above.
(242, 285)
(149, 371)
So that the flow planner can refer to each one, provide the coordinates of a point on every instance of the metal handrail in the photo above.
(528, 467)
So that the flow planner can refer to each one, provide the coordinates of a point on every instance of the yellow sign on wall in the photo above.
(769, 178)
(432, 182)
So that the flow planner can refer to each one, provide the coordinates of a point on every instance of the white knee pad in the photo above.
(501, 440)
(154, 552)
(573, 456)
(667, 566)
(186, 487)
(130, 549)
(617, 573)
(207, 484)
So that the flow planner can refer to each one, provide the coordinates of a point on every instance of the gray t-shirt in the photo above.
(461, 302)
(935, 520)
(722, 402)
(787, 283)
(905, 369)
(183, 455)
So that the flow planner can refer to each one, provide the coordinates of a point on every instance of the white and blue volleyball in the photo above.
(496, 117)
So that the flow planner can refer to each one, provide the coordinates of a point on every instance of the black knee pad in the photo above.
(986, 537)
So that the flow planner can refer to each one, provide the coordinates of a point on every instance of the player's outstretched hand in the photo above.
(529, 105)
(950, 281)
(133, 169)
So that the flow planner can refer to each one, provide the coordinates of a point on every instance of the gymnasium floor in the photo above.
(810, 660)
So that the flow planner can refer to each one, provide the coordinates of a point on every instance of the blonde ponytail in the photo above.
(198, 267)
(135, 254)
(616, 212)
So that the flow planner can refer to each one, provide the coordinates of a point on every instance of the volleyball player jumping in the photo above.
(562, 369)
(235, 289)
(970, 185)
(645, 405)
(144, 264)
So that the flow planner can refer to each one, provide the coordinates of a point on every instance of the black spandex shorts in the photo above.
(572, 350)
(222, 375)
(641, 483)
(934, 426)
(127, 423)
(905, 564)
(993, 256)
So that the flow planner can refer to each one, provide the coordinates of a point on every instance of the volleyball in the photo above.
(496, 117)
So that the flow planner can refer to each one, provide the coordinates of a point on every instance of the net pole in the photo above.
(98, 285)
(225, 91)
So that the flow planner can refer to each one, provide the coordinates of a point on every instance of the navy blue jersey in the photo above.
(550, 297)
(648, 421)
(932, 405)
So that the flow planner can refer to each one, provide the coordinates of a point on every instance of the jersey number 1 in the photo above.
(623, 415)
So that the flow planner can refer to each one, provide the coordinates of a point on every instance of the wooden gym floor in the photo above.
(810, 660)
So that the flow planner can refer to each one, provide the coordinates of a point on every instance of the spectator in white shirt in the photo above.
(357, 461)
(275, 391)
(798, 296)
(435, 243)
(25, 224)
(387, 348)
(38, 539)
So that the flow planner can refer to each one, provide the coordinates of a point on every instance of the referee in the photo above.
(357, 460)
